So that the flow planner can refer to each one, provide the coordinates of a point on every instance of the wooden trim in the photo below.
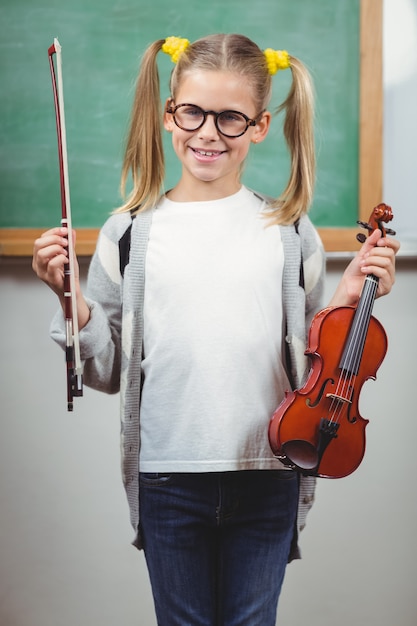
(371, 108)
(370, 127)
(19, 242)
(340, 239)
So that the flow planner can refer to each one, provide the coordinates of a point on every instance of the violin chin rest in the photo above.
(301, 453)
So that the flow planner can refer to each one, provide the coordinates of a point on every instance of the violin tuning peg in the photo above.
(364, 225)
(361, 237)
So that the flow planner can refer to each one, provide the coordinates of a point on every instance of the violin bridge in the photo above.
(339, 398)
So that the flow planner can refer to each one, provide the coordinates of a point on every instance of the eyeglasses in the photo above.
(191, 117)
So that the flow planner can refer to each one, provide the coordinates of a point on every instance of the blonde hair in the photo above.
(144, 157)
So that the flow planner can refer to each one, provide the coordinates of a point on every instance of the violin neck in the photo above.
(353, 350)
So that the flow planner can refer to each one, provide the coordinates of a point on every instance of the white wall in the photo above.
(400, 105)
(65, 554)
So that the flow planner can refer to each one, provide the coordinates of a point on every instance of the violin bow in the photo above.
(72, 351)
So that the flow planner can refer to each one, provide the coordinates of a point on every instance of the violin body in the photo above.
(318, 429)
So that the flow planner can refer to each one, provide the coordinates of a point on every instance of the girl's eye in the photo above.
(191, 111)
(230, 117)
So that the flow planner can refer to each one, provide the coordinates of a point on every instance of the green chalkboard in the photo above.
(102, 41)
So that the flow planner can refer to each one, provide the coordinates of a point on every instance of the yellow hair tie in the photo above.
(276, 60)
(175, 46)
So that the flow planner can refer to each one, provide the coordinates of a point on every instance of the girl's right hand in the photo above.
(50, 255)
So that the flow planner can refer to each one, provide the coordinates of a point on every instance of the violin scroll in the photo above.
(380, 215)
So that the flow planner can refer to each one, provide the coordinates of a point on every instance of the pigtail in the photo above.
(144, 157)
(299, 135)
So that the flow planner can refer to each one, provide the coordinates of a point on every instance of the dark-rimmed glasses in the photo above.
(191, 117)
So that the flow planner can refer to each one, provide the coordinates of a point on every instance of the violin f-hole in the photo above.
(320, 394)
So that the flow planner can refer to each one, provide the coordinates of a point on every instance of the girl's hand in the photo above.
(376, 256)
(50, 256)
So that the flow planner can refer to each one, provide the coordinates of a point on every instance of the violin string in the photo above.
(358, 343)
(351, 360)
(355, 349)
(337, 405)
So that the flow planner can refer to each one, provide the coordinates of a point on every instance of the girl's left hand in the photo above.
(376, 256)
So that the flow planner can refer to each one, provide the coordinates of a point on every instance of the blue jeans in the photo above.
(217, 544)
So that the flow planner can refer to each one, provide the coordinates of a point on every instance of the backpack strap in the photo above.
(301, 280)
(124, 247)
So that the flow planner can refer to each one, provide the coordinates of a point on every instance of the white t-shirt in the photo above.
(213, 372)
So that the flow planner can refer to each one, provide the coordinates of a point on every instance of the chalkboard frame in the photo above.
(19, 241)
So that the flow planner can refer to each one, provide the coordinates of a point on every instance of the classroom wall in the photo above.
(65, 554)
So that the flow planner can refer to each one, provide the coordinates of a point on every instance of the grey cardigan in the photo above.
(111, 342)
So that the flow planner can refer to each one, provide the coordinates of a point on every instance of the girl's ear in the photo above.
(168, 119)
(261, 129)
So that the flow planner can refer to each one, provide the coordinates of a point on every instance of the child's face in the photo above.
(210, 159)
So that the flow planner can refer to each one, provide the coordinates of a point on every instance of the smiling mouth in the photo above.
(208, 153)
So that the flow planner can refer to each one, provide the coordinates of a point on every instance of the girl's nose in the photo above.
(209, 129)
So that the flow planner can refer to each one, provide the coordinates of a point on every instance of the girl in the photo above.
(204, 338)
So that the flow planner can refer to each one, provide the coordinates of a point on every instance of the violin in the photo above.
(318, 429)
